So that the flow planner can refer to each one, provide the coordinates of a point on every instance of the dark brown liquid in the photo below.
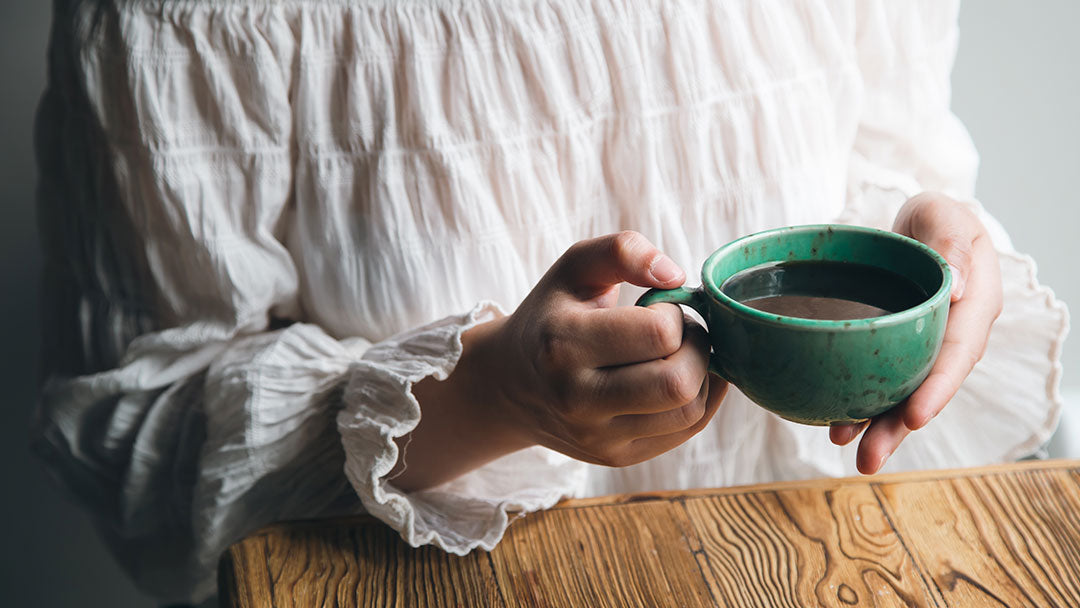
(834, 291)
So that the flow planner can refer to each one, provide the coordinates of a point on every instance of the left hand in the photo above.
(956, 233)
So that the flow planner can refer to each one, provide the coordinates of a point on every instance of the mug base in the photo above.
(811, 422)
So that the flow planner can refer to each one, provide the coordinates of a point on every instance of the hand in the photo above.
(569, 371)
(604, 384)
(956, 233)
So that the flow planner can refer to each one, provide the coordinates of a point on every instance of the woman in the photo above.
(308, 258)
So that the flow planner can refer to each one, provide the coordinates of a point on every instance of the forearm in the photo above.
(461, 426)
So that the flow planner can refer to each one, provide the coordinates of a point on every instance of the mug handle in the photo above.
(694, 298)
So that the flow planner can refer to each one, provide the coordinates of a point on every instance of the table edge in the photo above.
(670, 495)
(821, 482)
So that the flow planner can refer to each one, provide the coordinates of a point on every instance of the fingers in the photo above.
(965, 340)
(663, 423)
(956, 233)
(620, 446)
(966, 334)
(947, 227)
(593, 266)
(628, 334)
(880, 440)
(659, 385)
(842, 434)
(650, 447)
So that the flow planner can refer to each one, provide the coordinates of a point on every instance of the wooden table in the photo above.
(998, 536)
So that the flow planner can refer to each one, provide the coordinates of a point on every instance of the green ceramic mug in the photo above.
(815, 371)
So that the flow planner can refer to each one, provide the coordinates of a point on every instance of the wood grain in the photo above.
(628, 555)
(805, 547)
(353, 566)
(994, 540)
(998, 536)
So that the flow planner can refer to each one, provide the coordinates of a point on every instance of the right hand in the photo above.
(603, 384)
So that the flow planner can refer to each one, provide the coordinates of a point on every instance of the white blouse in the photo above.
(384, 174)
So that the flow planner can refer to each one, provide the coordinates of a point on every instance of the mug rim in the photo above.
(896, 318)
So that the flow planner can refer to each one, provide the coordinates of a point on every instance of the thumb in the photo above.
(593, 266)
(948, 228)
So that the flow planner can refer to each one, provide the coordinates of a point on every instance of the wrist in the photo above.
(482, 388)
(463, 425)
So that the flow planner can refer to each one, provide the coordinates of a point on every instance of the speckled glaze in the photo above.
(813, 371)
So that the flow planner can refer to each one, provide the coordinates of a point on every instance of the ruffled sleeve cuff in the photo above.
(379, 406)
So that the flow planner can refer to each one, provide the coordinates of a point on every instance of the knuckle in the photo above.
(626, 240)
(587, 438)
(553, 348)
(568, 400)
(560, 381)
(925, 208)
(928, 210)
(617, 457)
(665, 334)
(957, 245)
(679, 384)
(625, 245)
(692, 412)
(975, 355)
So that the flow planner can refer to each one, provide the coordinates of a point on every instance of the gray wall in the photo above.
(49, 555)
(1017, 85)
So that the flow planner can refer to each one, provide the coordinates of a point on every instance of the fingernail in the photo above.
(665, 270)
(881, 462)
(957, 282)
